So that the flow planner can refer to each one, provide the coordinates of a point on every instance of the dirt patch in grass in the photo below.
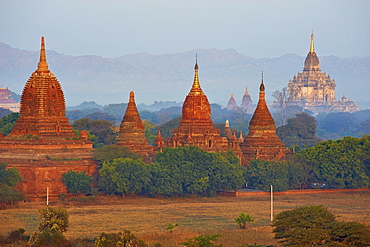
(148, 217)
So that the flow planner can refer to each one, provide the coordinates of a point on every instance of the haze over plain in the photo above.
(258, 29)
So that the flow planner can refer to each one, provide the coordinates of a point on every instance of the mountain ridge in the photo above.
(169, 77)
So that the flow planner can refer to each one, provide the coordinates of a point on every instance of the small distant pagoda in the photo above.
(262, 141)
(247, 103)
(231, 105)
(314, 90)
(196, 127)
(42, 144)
(132, 133)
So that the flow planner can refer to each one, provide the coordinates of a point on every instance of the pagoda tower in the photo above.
(159, 142)
(247, 102)
(42, 144)
(314, 90)
(43, 105)
(196, 127)
(227, 130)
(231, 105)
(132, 133)
(262, 141)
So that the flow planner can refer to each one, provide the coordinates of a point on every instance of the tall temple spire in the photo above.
(262, 87)
(312, 48)
(312, 61)
(195, 89)
(132, 114)
(132, 133)
(262, 133)
(43, 65)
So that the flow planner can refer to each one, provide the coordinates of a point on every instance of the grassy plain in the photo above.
(147, 218)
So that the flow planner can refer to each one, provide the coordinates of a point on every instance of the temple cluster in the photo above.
(43, 145)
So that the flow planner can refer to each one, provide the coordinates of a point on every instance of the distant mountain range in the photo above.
(169, 77)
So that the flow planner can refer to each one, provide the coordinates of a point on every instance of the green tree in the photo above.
(53, 219)
(317, 226)
(261, 174)
(119, 239)
(110, 152)
(340, 164)
(77, 182)
(299, 131)
(54, 222)
(164, 180)
(7, 123)
(203, 241)
(9, 178)
(303, 226)
(192, 170)
(124, 176)
(243, 219)
(171, 226)
(102, 129)
(148, 126)
(349, 234)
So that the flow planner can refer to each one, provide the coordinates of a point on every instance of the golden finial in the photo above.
(227, 124)
(262, 87)
(246, 91)
(312, 48)
(195, 89)
(43, 65)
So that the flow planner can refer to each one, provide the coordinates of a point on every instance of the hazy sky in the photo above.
(260, 28)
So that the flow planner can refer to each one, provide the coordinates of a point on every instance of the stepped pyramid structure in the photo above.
(314, 90)
(231, 105)
(196, 127)
(247, 102)
(132, 133)
(262, 141)
(42, 144)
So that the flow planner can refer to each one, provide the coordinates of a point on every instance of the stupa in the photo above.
(231, 105)
(247, 103)
(314, 90)
(196, 127)
(262, 141)
(42, 144)
(158, 142)
(132, 133)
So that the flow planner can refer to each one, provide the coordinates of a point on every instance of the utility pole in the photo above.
(47, 196)
(272, 205)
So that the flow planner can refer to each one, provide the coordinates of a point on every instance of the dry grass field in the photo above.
(147, 218)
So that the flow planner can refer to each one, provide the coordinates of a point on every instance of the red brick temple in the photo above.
(159, 142)
(132, 133)
(42, 144)
(196, 127)
(262, 142)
